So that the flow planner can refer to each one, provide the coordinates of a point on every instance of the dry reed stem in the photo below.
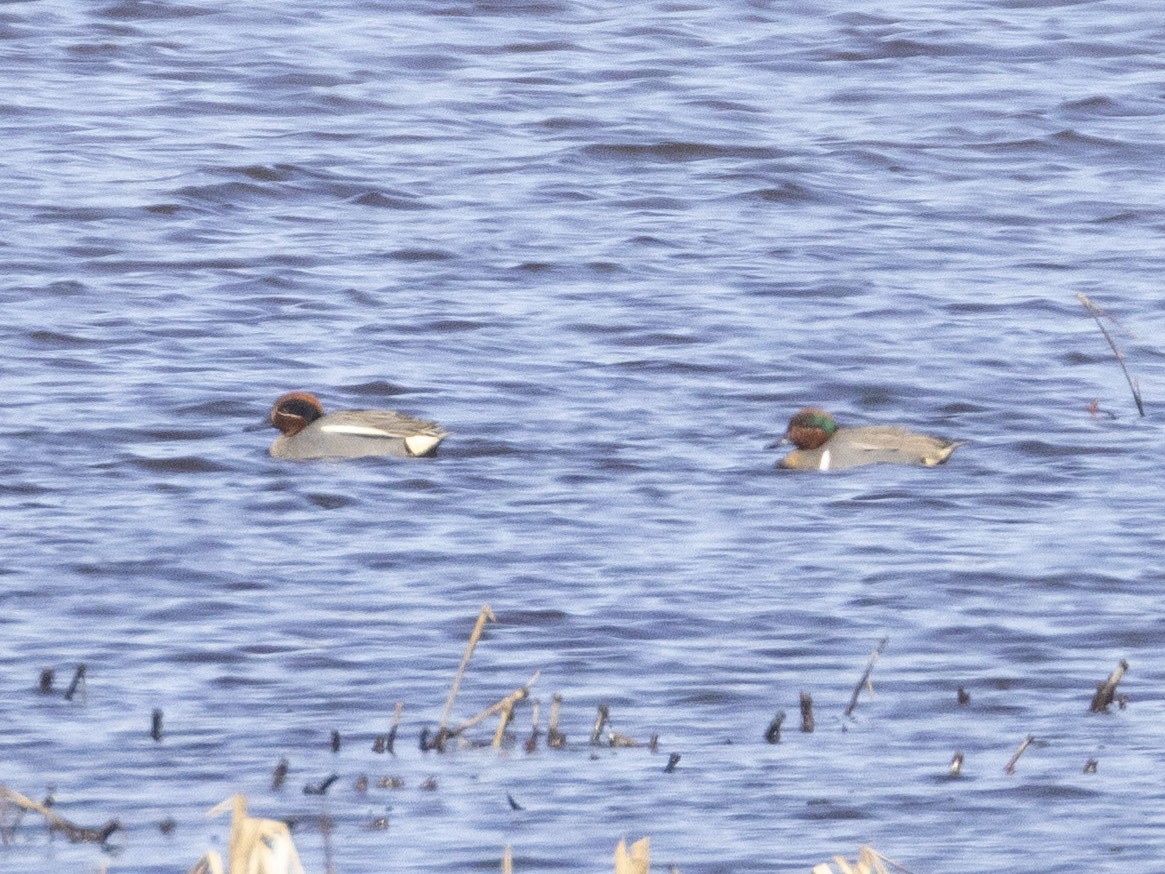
(503, 723)
(554, 737)
(486, 615)
(508, 860)
(869, 861)
(637, 861)
(509, 701)
(865, 680)
(257, 846)
(1096, 313)
(1106, 691)
(1009, 768)
(75, 833)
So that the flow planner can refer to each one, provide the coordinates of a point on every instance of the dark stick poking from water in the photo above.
(78, 682)
(865, 680)
(46, 681)
(532, 741)
(773, 734)
(673, 759)
(156, 725)
(1010, 767)
(1106, 691)
(806, 713)
(600, 721)
(321, 787)
(554, 737)
(383, 742)
(1096, 313)
(279, 774)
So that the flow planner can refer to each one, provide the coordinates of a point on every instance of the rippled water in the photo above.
(612, 249)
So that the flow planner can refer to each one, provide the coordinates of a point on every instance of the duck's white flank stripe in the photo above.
(824, 461)
(355, 430)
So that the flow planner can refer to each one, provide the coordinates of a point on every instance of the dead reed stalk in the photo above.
(1106, 691)
(486, 615)
(635, 861)
(256, 845)
(1096, 313)
(869, 861)
(75, 833)
(1009, 768)
(508, 702)
(865, 680)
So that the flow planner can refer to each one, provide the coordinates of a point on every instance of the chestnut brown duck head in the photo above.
(307, 432)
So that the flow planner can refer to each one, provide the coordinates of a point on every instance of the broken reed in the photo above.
(1106, 691)
(1096, 313)
(486, 615)
(865, 680)
(56, 822)
(1009, 768)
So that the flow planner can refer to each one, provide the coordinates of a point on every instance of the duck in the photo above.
(307, 432)
(824, 445)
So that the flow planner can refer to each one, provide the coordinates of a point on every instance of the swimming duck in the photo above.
(308, 433)
(823, 445)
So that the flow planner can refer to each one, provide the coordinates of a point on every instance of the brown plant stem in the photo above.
(485, 616)
(1106, 691)
(806, 713)
(74, 832)
(508, 702)
(1009, 768)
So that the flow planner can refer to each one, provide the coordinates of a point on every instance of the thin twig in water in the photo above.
(1010, 767)
(1096, 313)
(853, 701)
(78, 681)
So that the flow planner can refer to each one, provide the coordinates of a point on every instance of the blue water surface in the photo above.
(612, 248)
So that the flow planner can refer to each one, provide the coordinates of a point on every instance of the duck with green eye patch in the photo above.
(822, 444)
